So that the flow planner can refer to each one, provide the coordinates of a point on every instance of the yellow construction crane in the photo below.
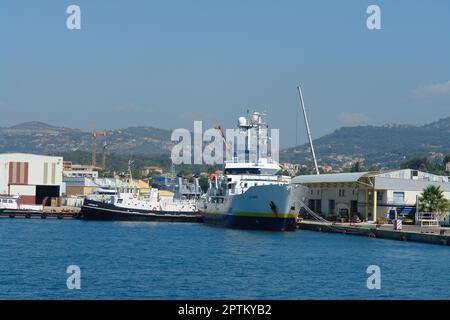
(94, 145)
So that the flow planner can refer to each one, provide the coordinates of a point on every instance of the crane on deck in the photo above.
(227, 144)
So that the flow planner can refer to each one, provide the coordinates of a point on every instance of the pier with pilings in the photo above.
(47, 213)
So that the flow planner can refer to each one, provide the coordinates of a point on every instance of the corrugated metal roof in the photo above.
(408, 184)
(330, 178)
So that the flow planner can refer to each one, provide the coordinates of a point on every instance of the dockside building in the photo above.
(369, 195)
(32, 177)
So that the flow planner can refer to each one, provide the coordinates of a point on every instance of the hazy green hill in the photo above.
(383, 146)
(38, 137)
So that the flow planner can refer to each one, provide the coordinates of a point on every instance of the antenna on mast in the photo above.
(307, 130)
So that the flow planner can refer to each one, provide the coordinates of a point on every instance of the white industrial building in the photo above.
(32, 177)
(369, 195)
(79, 170)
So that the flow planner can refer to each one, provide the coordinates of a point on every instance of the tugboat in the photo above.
(251, 194)
(128, 204)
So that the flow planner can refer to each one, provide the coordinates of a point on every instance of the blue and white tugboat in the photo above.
(128, 204)
(131, 206)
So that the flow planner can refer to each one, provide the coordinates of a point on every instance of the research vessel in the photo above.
(251, 194)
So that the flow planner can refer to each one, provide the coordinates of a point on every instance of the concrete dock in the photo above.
(46, 213)
(431, 235)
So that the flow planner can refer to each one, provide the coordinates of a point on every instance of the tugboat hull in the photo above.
(95, 210)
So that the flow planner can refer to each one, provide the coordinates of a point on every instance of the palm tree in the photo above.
(432, 200)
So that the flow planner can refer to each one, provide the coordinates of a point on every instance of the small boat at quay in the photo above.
(11, 204)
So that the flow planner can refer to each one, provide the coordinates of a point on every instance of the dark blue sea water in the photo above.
(194, 261)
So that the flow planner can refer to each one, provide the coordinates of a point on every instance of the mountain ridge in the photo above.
(384, 146)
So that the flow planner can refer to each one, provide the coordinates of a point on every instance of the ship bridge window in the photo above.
(242, 171)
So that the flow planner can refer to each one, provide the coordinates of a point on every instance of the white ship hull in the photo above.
(269, 207)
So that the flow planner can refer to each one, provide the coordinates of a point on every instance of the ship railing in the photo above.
(270, 178)
(238, 160)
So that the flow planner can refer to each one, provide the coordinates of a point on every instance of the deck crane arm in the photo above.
(227, 144)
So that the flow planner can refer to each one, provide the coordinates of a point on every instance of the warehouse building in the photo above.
(32, 177)
(369, 195)
(79, 170)
(83, 186)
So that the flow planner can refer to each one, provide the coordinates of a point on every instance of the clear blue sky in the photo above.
(166, 63)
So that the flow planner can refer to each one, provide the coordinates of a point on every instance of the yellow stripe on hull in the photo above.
(259, 214)
(266, 214)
